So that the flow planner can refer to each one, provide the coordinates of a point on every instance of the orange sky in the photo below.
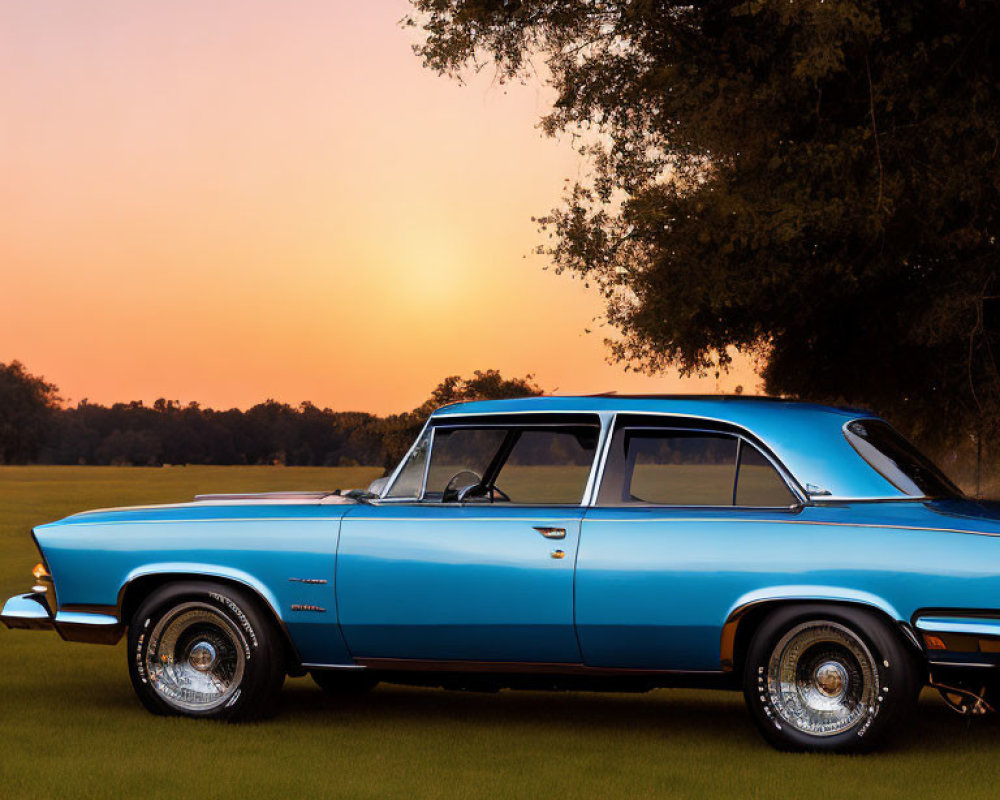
(231, 201)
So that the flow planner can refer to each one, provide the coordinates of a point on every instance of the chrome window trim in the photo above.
(607, 419)
(607, 433)
(427, 464)
(611, 416)
(599, 417)
(399, 467)
(786, 477)
(834, 499)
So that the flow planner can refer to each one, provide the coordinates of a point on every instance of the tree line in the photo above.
(36, 428)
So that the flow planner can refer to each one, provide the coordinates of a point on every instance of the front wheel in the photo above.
(201, 649)
(828, 679)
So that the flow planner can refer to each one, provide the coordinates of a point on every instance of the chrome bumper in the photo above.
(28, 611)
(960, 641)
(31, 612)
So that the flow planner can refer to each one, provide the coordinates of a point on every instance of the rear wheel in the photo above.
(201, 649)
(828, 679)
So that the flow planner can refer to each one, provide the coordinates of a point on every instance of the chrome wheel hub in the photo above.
(202, 656)
(831, 679)
(821, 679)
(196, 657)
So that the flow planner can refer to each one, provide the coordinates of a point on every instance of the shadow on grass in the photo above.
(673, 714)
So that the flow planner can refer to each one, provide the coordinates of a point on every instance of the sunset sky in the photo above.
(228, 201)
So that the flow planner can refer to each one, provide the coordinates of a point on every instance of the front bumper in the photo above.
(31, 612)
(28, 611)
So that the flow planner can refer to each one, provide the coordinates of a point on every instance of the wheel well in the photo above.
(751, 619)
(134, 592)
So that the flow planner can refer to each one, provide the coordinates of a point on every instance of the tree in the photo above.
(817, 184)
(26, 406)
(400, 430)
(483, 385)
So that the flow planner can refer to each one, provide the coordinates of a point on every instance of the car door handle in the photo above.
(551, 533)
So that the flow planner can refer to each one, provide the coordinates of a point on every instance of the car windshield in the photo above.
(897, 460)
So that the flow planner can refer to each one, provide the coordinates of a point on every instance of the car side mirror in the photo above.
(377, 486)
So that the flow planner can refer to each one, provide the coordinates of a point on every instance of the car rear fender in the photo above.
(753, 605)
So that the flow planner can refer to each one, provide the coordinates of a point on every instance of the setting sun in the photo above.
(267, 202)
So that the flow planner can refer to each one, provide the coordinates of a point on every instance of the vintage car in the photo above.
(807, 555)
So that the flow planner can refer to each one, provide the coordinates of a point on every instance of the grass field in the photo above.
(70, 726)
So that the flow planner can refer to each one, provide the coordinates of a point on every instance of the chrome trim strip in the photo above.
(527, 667)
(662, 519)
(335, 666)
(778, 521)
(833, 499)
(975, 664)
(536, 412)
(306, 496)
(568, 519)
(962, 625)
(216, 519)
(84, 618)
(608, 422)
(422, 493)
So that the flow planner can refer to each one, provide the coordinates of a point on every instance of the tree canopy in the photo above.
(26, 405)
(34, 428)
(815, 183)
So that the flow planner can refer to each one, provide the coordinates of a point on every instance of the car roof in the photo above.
(807, 438)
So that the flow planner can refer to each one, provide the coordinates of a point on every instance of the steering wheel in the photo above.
(489, 493)
(460, 485)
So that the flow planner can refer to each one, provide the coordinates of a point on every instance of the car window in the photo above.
(548, 466)
(461, 450)
(897, 460)
(758, 482)
(649, 466)
(679, 468)
(411, 476)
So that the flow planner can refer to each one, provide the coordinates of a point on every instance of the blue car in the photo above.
(806, 555)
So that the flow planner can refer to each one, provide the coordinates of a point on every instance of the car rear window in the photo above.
(897, 460)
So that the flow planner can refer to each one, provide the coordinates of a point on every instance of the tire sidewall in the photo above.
(256, 640)
(897, 681)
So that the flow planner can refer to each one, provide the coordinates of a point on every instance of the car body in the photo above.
(605, 542)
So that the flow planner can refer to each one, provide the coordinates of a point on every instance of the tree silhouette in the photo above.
(26, 406)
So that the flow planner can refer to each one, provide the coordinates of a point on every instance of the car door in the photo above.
(676, 535)
(488, 578)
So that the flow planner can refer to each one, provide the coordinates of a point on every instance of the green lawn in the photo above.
(70, 726)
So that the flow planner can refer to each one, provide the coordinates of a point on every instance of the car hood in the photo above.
(218, 508)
